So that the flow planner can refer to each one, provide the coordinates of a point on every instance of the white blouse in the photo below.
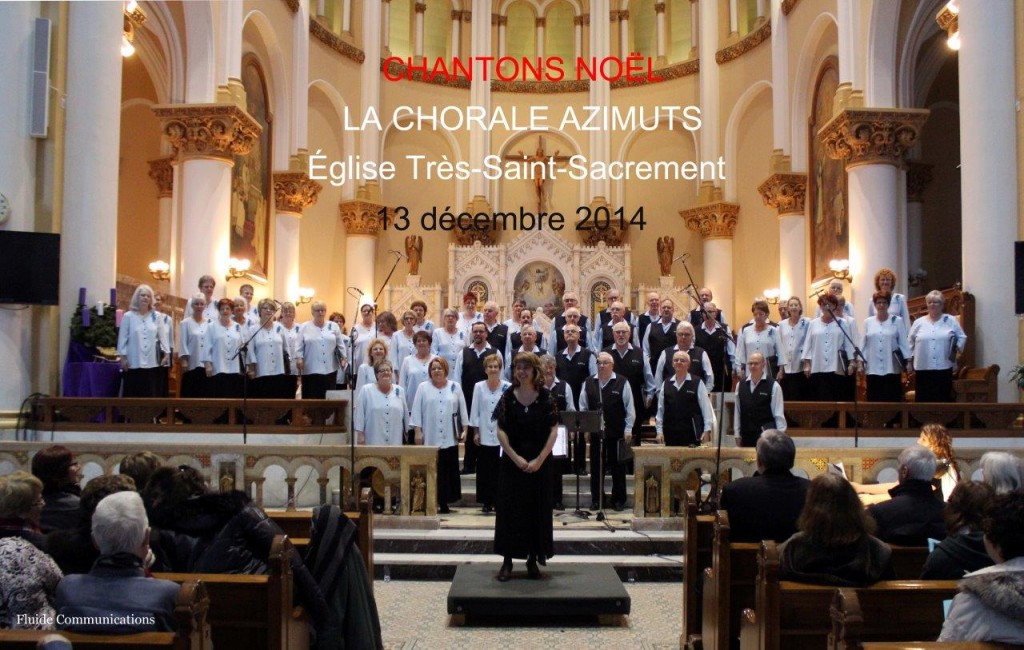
(427, 326)
(210, 312)
(140, 339)
(413, 373)
(267, 350)
(897, 307)
(465, 325)
(822, 346)
(448, 346)
(360, 342)
(484, 402)
(932, 343)
(365, 375)
(318, 347)
(291, 334)
(167, 323)
(192, 341)
(401, 347)
(381, 417)
(881, 340)
(750, 341)
(791, 344)
(433, 411)
(222, 346)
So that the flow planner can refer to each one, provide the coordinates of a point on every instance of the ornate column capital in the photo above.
(161, 171)
(208, 130)
(624, 14)
(500, 21)
(295, 191)
(581, 20)
(919, 176)
(613, 235)
(867, 136)
(361, 217)
(713, 220)
(540, 22)
(785, 191)
(421, 7)
(659, 7)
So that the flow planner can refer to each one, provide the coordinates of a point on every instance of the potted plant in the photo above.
(1017, 376)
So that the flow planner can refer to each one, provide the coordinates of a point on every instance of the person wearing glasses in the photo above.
(381, 416)
(440, 417)
(321, 351)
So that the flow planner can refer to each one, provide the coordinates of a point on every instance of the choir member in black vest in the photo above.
(571, 316)
(613, 296)
(700, 363)
(609, 393)
(717, 342)
(758, 404)
(684, 416)
(574, 365)
(515, 339)
(631, 363)
(469, 369)
(603, 338)
(563, 395)
(497, 333)
(660, 334)
(652, 314)
(696, 318)
(527, 343)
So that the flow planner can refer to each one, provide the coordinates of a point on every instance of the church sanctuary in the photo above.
(607, 324)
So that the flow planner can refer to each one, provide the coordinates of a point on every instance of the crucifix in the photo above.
(539, 180)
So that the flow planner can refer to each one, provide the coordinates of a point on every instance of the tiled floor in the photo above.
(413, 616)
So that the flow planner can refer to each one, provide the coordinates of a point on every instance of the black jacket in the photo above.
(859, 564)
(913, 515)
(955, 556)
(764, 506)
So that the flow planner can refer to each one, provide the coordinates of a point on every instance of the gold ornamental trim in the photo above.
(208, 130)
(749, 42)
(714, 220)
(295, 191)
(788, 5)
(785, 191)
(486, 237)
(333, 41)
(293, 5)
(872, 135)
(161, 171)
(947, 20)
(919, 176)
(613, 235)
(361, 217)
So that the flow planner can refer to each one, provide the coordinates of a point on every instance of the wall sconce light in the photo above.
(771, 296)
(133, 19)
(305, 296)
(840, 269)
(237, 268)
(160, 270)
(949, 21)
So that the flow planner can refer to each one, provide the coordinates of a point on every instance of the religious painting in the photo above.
(479, 287)
(598, 298)
(541, 286)
(250, 179)
(827, 195)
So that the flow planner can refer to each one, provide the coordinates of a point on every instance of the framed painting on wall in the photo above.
(251, 203)
(826, 193)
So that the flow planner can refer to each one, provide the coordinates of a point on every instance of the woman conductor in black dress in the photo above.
(527, 416)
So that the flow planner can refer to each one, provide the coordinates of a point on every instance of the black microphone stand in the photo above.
(857, 354)
(242, 355)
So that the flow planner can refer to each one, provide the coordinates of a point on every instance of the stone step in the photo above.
(630, 568)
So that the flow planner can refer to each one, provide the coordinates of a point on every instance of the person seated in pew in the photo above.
(1001, 470)
(139, 467)
(73, 549)
(116, 596)
(947, 470)
(835, 545)
(768, 504)
(963, 551)
(914, 514)
(990, 605)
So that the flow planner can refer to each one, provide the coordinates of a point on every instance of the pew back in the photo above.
(698, 531)
(729, 586)
(892, 611)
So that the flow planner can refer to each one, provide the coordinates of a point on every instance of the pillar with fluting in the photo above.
(294, 191)
(417, 43)
(919, 175)
(988, 178)
(708, 79)
(363, 224)
(786, 192)
(92, 146)
(716, 223)
(662, 29)
(872, 141)
(161, 171)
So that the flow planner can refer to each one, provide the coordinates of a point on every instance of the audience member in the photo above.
(73, 549)
(57, 468)
(21, 505)
(947, 471)
(1001, 470)
(139, 467)
(963, 550)
(914, 514)
(28, 577)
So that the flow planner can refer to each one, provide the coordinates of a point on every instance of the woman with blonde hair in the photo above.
(142, 346)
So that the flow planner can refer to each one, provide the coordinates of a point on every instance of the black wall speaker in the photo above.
(1018, 275)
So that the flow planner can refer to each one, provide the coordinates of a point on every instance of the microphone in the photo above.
(400, 254)
(681, 257)
(350, 291)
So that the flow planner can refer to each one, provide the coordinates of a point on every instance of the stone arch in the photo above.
(804, 82)
(922, 28)
(390, 131)
(732, 127)
(276, 77)
(200, 80)
(635, 134)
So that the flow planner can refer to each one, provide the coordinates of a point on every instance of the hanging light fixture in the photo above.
(949, 21)
(133, 19)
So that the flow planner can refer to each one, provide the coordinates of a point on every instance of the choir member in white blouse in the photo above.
(321, 351)
(760, 336)
(220, 358)
(167, 323)
(821, 358)
(377, 352)
(402, 344)
(936, 342)
(514, 323)
(240, 314)
(381, 414)
(266, 358)
(362, 333)
(792, 332)
(469, 314)
(142, 346)
(885, 351)
(291, 330)
(414, 369)
(447, 341)
(419, 308)
(206, 286)
(885, 280)
(387, 325)
(440, 418)
(486, 394)
(835, 288)
(338, 318)
(191, 342)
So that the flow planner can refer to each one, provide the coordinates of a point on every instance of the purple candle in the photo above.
(113, 297)
(118, 315)
(81, 296)
(85, 315)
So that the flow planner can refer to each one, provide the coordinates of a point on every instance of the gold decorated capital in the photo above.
(362, 217)
(161, 171)
(295, 191)
(713, 220)
(486, 234)
(208, 130)
(865, 136)
(785, 191)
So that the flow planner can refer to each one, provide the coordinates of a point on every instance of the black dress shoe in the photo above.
(532, 571)
(444, 510)
(488, 510)
(504, 574)
(619, 507)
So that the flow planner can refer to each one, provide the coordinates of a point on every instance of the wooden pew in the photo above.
(190, 611)
(698, 531)
(935, 645)
(729, 586)
(905, 611)
(253, 611)
(908, 561)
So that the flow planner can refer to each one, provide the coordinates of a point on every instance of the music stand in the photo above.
(577, 422)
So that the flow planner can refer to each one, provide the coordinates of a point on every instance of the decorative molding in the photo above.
(624, 14)
(361, 217)
(919, 176)
(749, 42)
(947, 19)
(659, 7)
(872, 135)
(785, 191)
(540, 22)
(788, 5)
(541, 87)
(613, 235)
(467, 16)
(293, 5)
(295, 191)
(486, 237)
(714, 220)
(420, 7)
(497, 19)
(208, 130)
(676, 71)
(581, 20)
(333, 41)
(161, 171)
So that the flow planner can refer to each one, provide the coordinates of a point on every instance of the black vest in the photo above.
(574, 371)
(560, 335)
(517, 340)
(606, 333)
(558, 392)
(755, 408)
(658, 340)
(644, 322)
(715, 345)
(537, 350)
(682, 415)
(631, 367)
(472, 372)
(696, 318)
(610, 402)
(498, 337)
(696, 363)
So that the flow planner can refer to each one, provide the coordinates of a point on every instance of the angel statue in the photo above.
(666, 251)
(414, 251)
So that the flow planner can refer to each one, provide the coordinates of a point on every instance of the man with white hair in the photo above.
(116, 597)
(608, 392)
(570, 314)
(914, 514)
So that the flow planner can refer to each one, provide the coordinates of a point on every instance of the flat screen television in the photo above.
(29, 268)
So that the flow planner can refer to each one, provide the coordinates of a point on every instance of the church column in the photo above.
(385, 28)
(624, 33)
(361, 218)
(421, 7)
(456, 32)
(578, 23)
(988, 178)
(919, 175)
(659, 10)
(780, 80)
(502, 22)
(851, 77)
(716, 222)
(734, 22)
(229, 62)
(762, 9)
(161, 171)
(540, 37)
(320, 6)
(92, 149)
(294, 191)
(872, 141)
(480, 24)
(786, 192)
(298, 124)
(369, 139)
